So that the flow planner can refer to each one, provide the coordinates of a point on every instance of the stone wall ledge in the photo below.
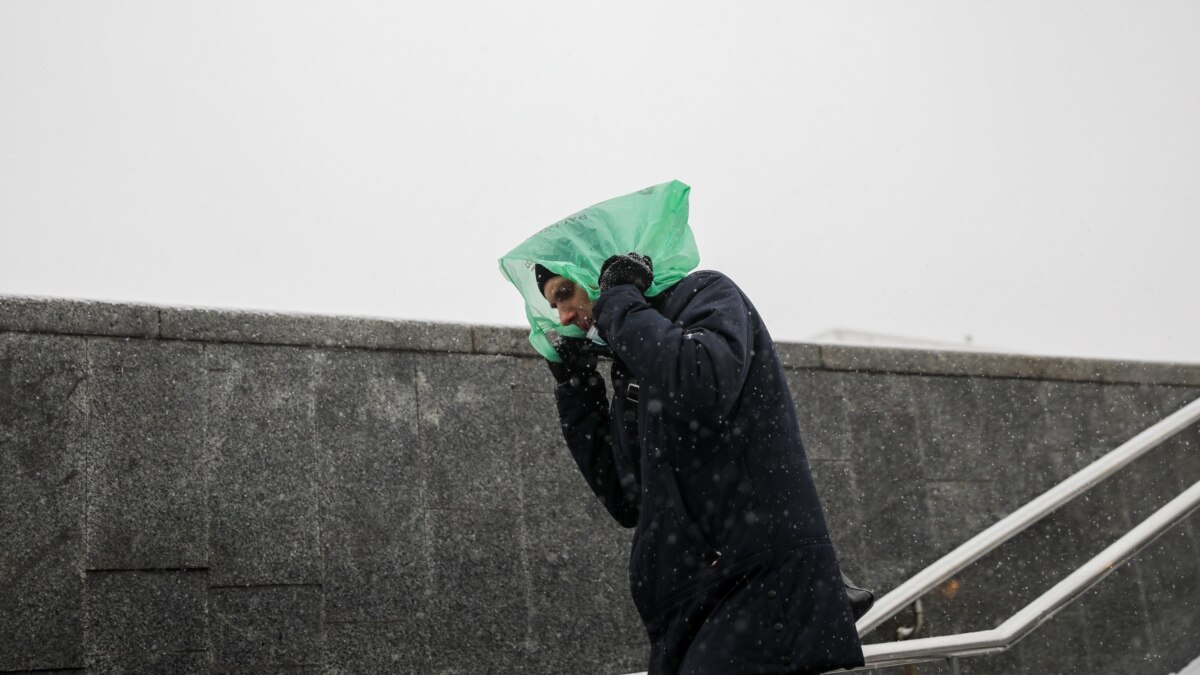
(27, 314)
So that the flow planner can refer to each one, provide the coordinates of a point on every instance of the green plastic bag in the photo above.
(652, 222)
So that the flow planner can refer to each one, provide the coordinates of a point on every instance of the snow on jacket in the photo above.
(732, 569)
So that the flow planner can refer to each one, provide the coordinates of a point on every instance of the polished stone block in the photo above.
(264, 492)
(136, 617)
(376, 647)
(265, 626)
(468, 428)
(1169, 572)
(148, 463)
(842, 502)
(586, 641)
(897, 540)
(577, 557)
(372, 485)
(886, 457)
(1119, 640)
(962, 509)
(478, 605)
(43, 423)
(954, 441)
(821, 408)
(883, 429)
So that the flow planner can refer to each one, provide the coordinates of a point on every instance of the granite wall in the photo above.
(188, 490)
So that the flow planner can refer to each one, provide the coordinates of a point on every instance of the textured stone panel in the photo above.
(951, 419)
(135, 617)
(883, 425)
(962, 509)
(577, 556)
(1011, 421)
(582, 564)
(821, 411)
(147, 469)
(1073, 431)
(1057, 646)
(1171, 399)
(887, 460)
(77, 317)
(841, 500)
(896, 538)
(467, 429)
(372, 482)
(376, 647)
(1167, 470)
(973, 599)
(585, 641)
(564, 521)
(43, 421)
(551, 485)
(265, 626)
(1169, 570)
(264, 500)
(1119, 639)
(479, 608)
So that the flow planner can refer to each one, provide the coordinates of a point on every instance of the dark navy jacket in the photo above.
(732, 569)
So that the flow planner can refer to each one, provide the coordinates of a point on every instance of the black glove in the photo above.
(578, 360)
(631, 268)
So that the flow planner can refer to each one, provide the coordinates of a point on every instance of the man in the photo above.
(732, 569)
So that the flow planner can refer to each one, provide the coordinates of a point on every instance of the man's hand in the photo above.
(578, 360)
(631, 268)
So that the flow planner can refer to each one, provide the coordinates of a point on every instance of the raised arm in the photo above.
(699, 361)
(584, 415)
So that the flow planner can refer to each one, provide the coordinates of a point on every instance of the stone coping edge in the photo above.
(25, 314)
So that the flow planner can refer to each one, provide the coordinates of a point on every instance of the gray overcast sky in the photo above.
(1027, 173)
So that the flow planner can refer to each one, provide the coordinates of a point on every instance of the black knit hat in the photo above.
(543, 275)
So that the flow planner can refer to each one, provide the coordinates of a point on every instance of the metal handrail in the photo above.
(1039, 611)
(981, 544)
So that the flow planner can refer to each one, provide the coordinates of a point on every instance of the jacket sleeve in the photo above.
(583, 412)
(699, 361)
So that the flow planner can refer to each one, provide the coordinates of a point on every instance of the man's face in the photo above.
(572, 302)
